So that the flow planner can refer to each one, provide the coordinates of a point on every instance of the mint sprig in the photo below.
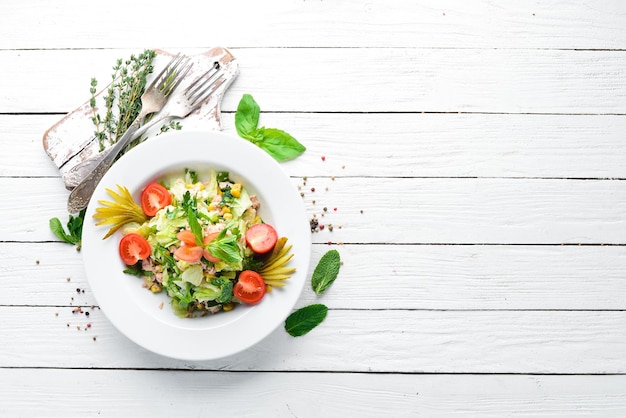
(279, 144)
(305, 319)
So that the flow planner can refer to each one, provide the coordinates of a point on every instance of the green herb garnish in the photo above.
(305, 319)
(190, 206)
(225, 247)
(326, 271)
(74, 229)
(279, 144)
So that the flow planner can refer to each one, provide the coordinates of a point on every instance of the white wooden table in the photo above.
(483, 141)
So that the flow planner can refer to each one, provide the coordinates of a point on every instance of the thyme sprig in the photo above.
(122, 102)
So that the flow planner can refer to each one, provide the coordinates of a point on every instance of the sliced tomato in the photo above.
(188, 253)
(153, 198)
(250, 287)
(187, 237)
(207, 239)
(133, 247)
(261, 238)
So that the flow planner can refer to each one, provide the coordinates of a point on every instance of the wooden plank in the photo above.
(339, 79)
(89, 393)
(413, 277)
(449, 341)
(422, 145)
(412, 210)
(452, 23)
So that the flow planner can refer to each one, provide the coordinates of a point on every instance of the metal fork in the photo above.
(192, 98)
(153, 99)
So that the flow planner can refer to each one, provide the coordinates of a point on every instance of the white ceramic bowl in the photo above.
(137, 312)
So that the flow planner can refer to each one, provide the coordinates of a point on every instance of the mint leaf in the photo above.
(326, 271)
(247, 117)
(305, 319)
(279, 144)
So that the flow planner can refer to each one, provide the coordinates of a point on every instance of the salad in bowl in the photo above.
(201, 240)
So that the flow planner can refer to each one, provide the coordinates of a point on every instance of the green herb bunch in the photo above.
(122, 102)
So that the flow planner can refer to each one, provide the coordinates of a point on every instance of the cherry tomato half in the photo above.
(153, 198)
(133, 247)
(188, 253)
(250, 287)
(207, 239)
(187, 237)
(261, 238)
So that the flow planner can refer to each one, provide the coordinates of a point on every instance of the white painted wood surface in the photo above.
(484, 143)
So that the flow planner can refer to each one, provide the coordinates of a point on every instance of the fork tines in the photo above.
(197, 91)
(171, 76)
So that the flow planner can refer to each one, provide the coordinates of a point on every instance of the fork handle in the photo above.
(81, 170)
(81, 194)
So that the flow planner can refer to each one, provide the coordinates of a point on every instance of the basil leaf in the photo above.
(195, 226)
(247, 117)
(326, 271)
(305, 319)
(225, 248)
(279, 144)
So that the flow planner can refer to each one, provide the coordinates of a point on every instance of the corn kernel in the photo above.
(228, 306)
(155, 288)
(228, 216)
(235, 190)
